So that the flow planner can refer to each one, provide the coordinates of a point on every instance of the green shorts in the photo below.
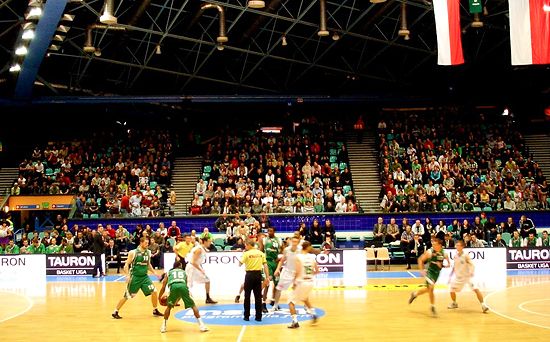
(137, 283)
(178, 291)
(431, 277)
(272, 266)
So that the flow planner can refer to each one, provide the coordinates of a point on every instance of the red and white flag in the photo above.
(449, 32)
(530, 31)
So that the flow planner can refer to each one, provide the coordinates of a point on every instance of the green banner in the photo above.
(475, 6)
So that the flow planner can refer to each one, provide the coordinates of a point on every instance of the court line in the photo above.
(240, 338)
(533, 312)
(29, 302)
(409, 272)
(120, 278)
(512, 318)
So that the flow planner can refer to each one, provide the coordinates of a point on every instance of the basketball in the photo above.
(163, 300)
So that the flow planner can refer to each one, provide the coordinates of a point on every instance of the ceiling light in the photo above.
(67, 17)
(34, 13)
(28, 34)
(377, 1)
(15, 68)
(220, 47)
(335, 36)
(97, 52)
(63, 29)
(505, 112)
(108, 17)
(284, 42)
(21, 51)
(256, 4)
(158, 50)
(477, 23)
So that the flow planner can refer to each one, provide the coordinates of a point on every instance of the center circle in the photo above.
(523, 308)
(232, 314)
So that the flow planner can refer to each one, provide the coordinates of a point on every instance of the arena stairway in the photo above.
(539, 147)
(185, 174)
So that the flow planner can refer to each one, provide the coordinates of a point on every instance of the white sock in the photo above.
(294, 319)
(201, 323)
(311, 311)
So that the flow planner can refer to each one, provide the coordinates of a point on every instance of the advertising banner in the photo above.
(533, 258)
(71, 264)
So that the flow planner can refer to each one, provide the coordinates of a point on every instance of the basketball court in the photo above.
(73, 308)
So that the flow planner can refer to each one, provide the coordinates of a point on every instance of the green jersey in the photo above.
(545, 242)
(32, 249)
(1, 250)
(271, 248)
(435, 264)
(140, 264)
(53, 249)
(177, 276)
(12, 249)
(516, 242)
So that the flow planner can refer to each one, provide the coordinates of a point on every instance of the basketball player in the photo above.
(176, 280)
(435, 257)
(136, 267)
(271, 247)
(194, 270)
(289, 270)
(306, 269)
(463, 271)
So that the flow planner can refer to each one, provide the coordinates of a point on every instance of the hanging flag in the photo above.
(475, 6)
(530, 31)
(448, 30)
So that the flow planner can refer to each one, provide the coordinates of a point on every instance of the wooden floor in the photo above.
(72, 311)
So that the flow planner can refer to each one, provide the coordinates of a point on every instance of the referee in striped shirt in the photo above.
(254, 261)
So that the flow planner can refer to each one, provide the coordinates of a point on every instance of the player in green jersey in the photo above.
(136, 267)
(176, 281)
(271, 248)
(435, 257)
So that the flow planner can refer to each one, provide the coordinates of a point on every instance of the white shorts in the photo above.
(301, 292)
(286, 279)
(194, 276)
(458, 284)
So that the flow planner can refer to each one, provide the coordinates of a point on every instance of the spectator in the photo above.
(328, 230)
(516, 240)
(327, 245)
(526, 227)
(155, 253)
(315, 233)
(543, 241)
(407, 245)
(206, 234)
(162, 230)
(174, 231)
(36, 247)
(112, 255)
(239, 245)
(379, 232)
(530, 240)
(499, 242)
(12, 248)
(448, 242)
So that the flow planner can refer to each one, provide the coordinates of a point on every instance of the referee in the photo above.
(254, 261)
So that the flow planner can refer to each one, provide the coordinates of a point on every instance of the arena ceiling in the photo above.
(164, 47)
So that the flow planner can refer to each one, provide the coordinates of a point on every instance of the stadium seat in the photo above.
(207, 169)
(370, 256)
(227, 248)
(487, 208)
(382, 254)
(219, 242)
(346, 189)
(94, 216)
(506, 237)
(172, 241)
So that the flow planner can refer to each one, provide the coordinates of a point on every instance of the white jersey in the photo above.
(202, 257)
(290, 257)
(463, 267)
(308, 262)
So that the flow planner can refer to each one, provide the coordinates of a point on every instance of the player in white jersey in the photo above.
(288, 273)
(306, 269)
(194, 270)
(463, 271)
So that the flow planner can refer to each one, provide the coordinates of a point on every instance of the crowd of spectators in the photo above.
(446, 162)
(111, 173)
(304, 171)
